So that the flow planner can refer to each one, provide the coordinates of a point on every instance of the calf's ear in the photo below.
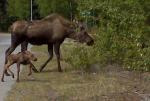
(27, 52)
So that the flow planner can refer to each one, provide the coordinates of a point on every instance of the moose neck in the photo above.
(71, 33)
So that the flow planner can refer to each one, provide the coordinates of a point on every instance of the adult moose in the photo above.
(51, 30)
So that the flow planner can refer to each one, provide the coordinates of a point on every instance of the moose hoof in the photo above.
(12, 76)
(2, 80)
(41, 70)
(35, 70)
(61, 71)
(17, 81)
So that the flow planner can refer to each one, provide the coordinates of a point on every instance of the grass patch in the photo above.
(112, 83)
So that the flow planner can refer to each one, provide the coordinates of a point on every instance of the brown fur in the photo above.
(57, 17)
(20, 58)
(51, 30)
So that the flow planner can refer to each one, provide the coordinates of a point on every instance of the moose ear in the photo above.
(85, 32)
(81, 27)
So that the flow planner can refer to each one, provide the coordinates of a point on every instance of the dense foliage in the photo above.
(12, 10)
(122, 36)
(122, 28)
(62, 7)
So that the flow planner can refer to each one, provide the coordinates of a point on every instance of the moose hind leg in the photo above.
(15, 41)
(6, 73)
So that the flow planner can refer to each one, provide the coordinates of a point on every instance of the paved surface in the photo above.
(5, 40)
(5, 87)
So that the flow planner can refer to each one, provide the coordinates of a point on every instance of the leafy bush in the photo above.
(121, 36)
(79, 56)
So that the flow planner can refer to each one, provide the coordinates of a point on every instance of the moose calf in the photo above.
(20, 58)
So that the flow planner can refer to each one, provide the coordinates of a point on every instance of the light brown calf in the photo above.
(20, 58)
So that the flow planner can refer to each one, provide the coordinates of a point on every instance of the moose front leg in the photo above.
(50, 50)
(57, 52)
(24, 46)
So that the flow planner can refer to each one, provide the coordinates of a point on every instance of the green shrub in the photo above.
(121, 34)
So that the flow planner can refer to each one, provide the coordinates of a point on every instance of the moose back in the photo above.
(51, 30)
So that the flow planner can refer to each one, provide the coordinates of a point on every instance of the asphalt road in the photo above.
(5, 87)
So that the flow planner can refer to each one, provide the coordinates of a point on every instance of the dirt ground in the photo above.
(111, 83)
(136, 82)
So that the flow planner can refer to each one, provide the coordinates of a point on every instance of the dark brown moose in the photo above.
(20, 58)
(51, 30)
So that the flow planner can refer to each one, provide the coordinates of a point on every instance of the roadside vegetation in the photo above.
(122, 36)
(116, 67)
(107, 83)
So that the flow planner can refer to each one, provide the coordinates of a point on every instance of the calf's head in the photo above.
(84, 37)
(30, 56)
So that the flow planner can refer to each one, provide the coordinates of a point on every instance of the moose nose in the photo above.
(90, 43)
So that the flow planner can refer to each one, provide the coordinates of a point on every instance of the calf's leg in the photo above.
(12, 74)
(30, 72)
(6, 67)
(8, 52)
(30, 68)
(18, 71)
(2, 79)
(9, 63)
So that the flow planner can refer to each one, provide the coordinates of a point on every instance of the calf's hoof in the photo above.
(29, 74)
(7, 74)
(2, 80)
(32, 79)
